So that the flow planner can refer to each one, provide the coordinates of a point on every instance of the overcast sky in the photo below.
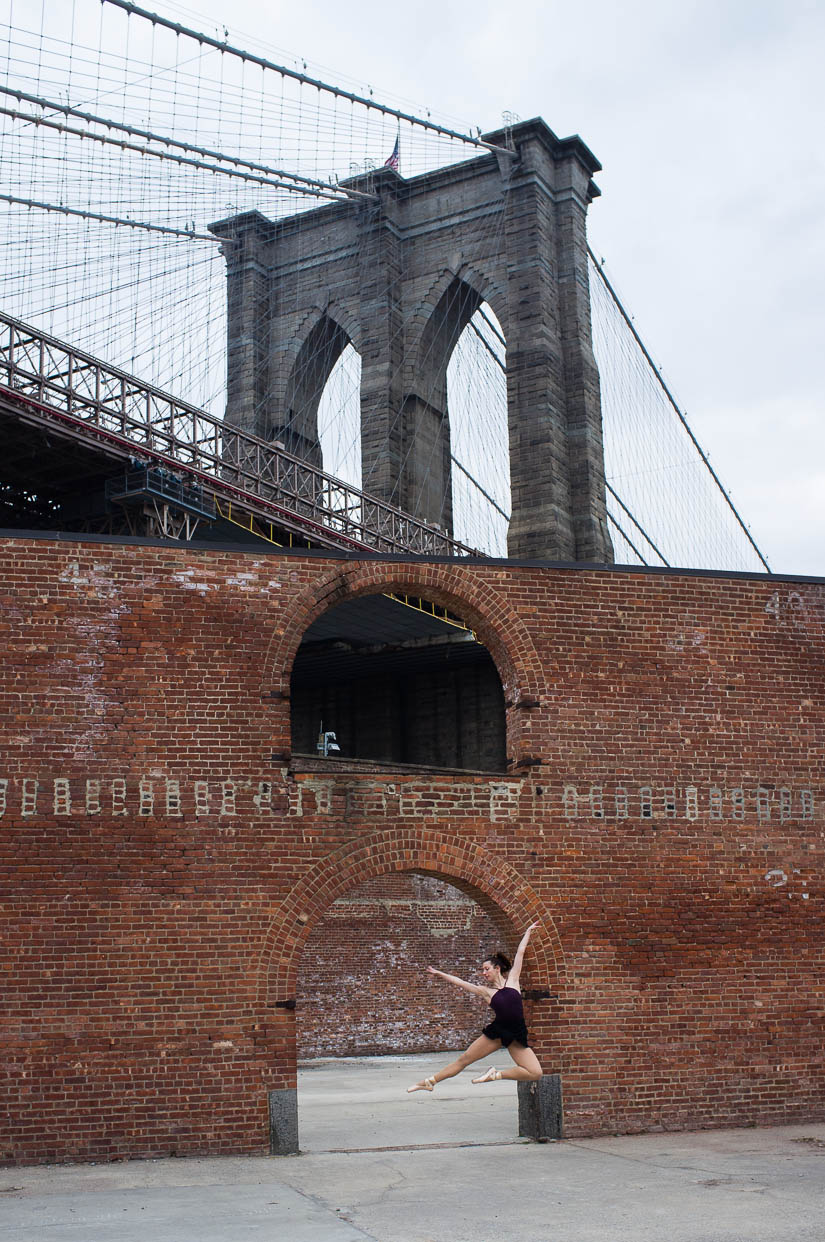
(708, 118)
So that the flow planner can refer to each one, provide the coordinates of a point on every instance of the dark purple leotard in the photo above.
(508, 1023)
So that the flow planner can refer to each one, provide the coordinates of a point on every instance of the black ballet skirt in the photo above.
(508, 1024)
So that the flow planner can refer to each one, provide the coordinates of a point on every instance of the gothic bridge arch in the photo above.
(517, 228)
(307, 361)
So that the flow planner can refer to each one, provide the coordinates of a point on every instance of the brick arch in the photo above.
(468, 864)
(475, 600)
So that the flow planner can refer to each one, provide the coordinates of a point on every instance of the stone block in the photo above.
(283, 1122)
(540, 1115)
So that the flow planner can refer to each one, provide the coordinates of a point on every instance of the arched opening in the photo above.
(299, 427)
(362, 985)
(464, 860)
(397, 680)
(480, 448)
(339, 418)
(424, 482)
(370, 1020)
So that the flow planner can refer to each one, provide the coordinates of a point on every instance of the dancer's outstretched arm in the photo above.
(518, 960)
(462, 983)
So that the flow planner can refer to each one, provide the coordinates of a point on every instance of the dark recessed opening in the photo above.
(398, 682)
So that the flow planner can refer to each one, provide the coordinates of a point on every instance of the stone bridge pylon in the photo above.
(400, 276)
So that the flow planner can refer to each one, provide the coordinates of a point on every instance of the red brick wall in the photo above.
(163, 866)
(362, 981)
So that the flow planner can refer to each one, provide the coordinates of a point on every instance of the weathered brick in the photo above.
(668, 832)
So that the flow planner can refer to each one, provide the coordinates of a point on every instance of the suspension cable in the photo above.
(303, 78)
(636, 523)
(190, 234)
(187, 161)
(627, 539)
(134, 131)
(672, 400)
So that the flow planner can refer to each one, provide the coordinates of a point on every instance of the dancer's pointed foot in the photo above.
(492, 1075)
(426, 1085)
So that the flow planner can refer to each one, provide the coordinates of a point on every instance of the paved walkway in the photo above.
(381, 1166)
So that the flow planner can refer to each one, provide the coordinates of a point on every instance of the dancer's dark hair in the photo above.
(501, 960)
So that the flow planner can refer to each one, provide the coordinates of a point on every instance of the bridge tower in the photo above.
(399, 276)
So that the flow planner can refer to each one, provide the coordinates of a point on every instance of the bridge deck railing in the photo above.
(98, 396)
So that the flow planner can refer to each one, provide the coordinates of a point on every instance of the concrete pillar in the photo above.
(540, 1114)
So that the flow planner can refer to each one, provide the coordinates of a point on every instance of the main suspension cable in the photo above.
(304, 79)
(134, 131)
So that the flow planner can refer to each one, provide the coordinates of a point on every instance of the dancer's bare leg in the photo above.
(479, 1048)
(526, 1068)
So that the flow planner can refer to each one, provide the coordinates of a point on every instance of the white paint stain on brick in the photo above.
(504, 800)
(62, 796)
(93, 797)
(186, 578)
(201, 798)
(228, 794)
(29, 798)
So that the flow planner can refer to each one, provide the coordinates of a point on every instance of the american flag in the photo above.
(392, 162)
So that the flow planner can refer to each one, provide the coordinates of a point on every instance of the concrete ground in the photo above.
(381, 1166)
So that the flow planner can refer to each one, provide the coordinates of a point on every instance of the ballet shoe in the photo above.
(426, 1085)
(492, 1075)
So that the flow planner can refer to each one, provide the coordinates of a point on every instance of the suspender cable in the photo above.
(672, 401)
(338, 91)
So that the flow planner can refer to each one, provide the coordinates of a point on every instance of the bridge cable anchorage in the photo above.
(190, 234)
(672, 400)
(185, 160)
(134, 131)
(636, 523)
(304, 79)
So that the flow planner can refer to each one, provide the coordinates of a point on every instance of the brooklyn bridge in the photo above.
(424, 354)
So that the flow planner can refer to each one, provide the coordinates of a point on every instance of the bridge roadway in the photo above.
(69, 423)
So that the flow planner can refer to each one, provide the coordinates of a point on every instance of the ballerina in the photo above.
(501, 988)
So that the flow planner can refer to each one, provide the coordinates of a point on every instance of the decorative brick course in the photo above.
(164, 876)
